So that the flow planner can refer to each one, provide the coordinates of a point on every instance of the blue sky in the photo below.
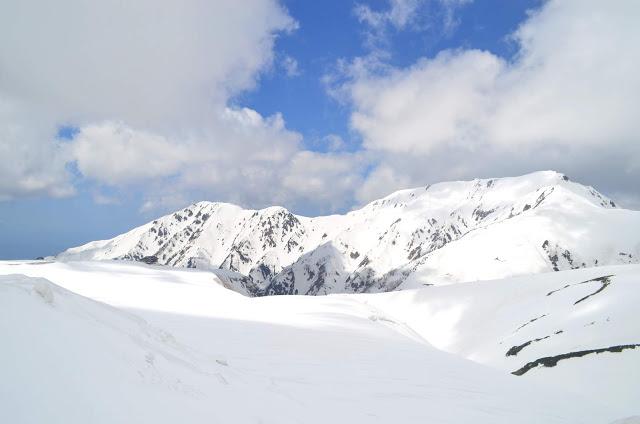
(330, 31)
(83, 188)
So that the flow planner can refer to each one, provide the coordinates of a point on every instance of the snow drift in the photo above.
(166, 344)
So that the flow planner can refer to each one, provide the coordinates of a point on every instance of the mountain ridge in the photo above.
(407, 239)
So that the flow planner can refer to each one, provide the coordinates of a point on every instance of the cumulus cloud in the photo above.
(113, 154)
(31, 160)
(146, 62)
(221, 158)
(148, 85)
(437, 101)
(567, 100)
(245, 158)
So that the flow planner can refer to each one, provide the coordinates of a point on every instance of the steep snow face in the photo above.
(163, 345)
(439, 234)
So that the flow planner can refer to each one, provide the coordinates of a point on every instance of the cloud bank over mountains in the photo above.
(566, 100)
(152, 89)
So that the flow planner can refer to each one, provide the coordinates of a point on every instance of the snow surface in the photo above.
(559, 313)
(124, 342)
(440, 234)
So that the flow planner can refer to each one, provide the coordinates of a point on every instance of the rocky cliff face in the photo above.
(439, 234)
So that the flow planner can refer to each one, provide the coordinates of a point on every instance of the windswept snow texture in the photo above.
(439, 234)
(133, 343)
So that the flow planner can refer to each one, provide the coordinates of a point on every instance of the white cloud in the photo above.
(568, 99)
(449, 19)
(437, 101)
(290, 66)
(325, 181)
(328, 143)
(334, 143)
(114, 154)
(380, 182)
(149, 85)
(399, 14)
(147, 82)
(31, 161)
(148, 62)
(243, 158)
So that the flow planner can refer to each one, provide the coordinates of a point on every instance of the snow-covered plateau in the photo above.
(119, 342)
(510, 300)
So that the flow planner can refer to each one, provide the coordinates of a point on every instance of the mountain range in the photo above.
(433, 235)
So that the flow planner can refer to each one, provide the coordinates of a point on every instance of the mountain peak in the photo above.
(274, 210)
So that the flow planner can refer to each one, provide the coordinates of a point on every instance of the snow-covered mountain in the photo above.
(551, 336)
(106, 342)
(439, 234)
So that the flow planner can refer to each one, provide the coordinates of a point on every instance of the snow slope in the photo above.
(439, 234)
(584, 321)
(123, 342)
